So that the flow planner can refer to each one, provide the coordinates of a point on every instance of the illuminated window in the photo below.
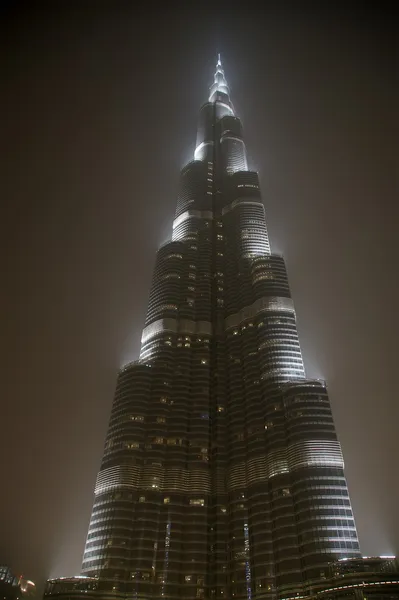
(166, 500)
(263, 276)
(132, 445)
(138, 418)
(204, 361)
(166, 307)
(187, 578)
(142, 499)
(220, 409)
(197, 502)
(161, 420)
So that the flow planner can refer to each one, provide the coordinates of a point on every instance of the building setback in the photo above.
(222, 476)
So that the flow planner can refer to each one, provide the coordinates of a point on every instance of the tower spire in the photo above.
(219, 83)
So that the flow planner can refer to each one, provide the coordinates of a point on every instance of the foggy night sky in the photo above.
(100, 102)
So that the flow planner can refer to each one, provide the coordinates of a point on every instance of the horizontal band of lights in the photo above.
(153, 478)
(190, 214)
(227, 135)
(199, 151)
(130, 364)
(73, 579)
(176, 326)
(311, 453)
(265, 304)
(305, 388)
(224, 105)
(258, 469)
(357, 585)
(344, 587)
(240, 202)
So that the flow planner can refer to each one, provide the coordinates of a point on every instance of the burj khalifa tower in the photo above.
(222, 476)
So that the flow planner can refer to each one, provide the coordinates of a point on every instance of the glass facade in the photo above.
(222, 476)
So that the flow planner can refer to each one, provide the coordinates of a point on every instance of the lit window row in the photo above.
(169, 441)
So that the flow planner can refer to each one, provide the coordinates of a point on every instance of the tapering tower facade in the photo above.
(222, 476)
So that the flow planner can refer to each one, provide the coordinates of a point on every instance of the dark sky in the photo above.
(99, 107)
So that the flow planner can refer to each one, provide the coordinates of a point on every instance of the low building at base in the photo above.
(368, 578)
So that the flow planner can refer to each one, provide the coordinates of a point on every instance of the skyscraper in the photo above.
(222, 476)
